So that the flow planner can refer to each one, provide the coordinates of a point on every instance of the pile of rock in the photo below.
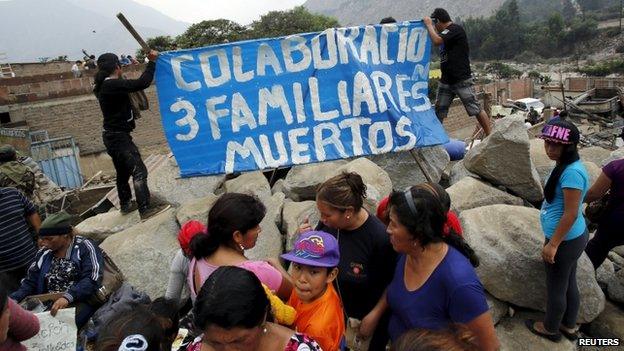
(492, 190)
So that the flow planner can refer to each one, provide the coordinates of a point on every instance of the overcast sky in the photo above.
(241, 11)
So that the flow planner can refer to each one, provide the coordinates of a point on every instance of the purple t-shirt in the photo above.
(615, 171)
(452, 294)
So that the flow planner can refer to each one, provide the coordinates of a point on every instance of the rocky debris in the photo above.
(594, 154)
(270, 242)
(609, 324)
(301, 181)
(196, 209)
(251, 183)
(100, 227)
(615, 287)
(293, 215)
(618, 261)
(498, 308)
(605, 273)
(593, 171)
(542, 163)
(470, 193)
(378, 183)
(503, 158)
(615, 155)
(45, 189)
(165, 182)
(403, 169)
(619, 250)
(511, 237)
(515, 336)
(459, 172)
(144, 252)
(278, 187)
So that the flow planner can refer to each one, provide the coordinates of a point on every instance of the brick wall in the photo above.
(52, 86)
(515, 89)
(586, 83)
(81, 118)
(37, 68)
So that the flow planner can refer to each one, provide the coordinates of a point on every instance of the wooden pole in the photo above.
(134, 33)
(420, 162)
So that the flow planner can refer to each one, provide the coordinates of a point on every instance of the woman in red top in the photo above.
(16, 324)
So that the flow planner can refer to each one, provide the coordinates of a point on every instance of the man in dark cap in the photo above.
(455, 66)
(112, 91)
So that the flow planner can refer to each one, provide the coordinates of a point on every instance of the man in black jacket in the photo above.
(455, 66)
(112, 92)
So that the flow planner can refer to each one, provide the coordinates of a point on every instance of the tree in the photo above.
(211, 32)
(297, 20)
(159, 43)
(502, 71)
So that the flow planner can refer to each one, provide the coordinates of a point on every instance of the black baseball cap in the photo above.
(560, 131)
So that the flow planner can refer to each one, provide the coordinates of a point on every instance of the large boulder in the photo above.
(459, 172)
(594, 154)
(378, 183)
(509, 240)
(498, 308)
(542, 163)
(615, 155)
(609, 324)
(293, 215)
(515, 336)
(100, 227)
(196, 209)
(403, 169)
(470, 193)
(615, 287)
(270, 243)
(252, 183)
(605, 273)
(301, 181)
(503, 158)
(593, 171)
(144, 252)
(165, 183)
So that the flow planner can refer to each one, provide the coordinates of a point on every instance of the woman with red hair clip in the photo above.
(180, 263)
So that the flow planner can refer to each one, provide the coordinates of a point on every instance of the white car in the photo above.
(526, 103)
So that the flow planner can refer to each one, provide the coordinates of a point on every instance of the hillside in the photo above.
(42, 28)
(357, 12)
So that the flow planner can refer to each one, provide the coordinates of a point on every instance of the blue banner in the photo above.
(298, 99)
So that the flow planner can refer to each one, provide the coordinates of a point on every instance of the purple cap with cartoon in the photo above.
(316, 249)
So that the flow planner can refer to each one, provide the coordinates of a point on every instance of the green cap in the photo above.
(7, 153)
(56, 224)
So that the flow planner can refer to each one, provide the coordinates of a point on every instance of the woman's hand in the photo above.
(152, 55)
(59, 305)
(368, 325)
(549, 252)
(304, 227)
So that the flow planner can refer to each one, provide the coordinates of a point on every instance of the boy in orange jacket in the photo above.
(319, 310)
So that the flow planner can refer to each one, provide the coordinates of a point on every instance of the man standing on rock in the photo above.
(455, 65)
(113, 92)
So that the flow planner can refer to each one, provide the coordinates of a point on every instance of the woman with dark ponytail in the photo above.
(434, 284)
(233, 227)
(112, 92)
(565, 230)
(366, 258)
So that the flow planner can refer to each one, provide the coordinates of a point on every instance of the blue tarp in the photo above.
(298, 99)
